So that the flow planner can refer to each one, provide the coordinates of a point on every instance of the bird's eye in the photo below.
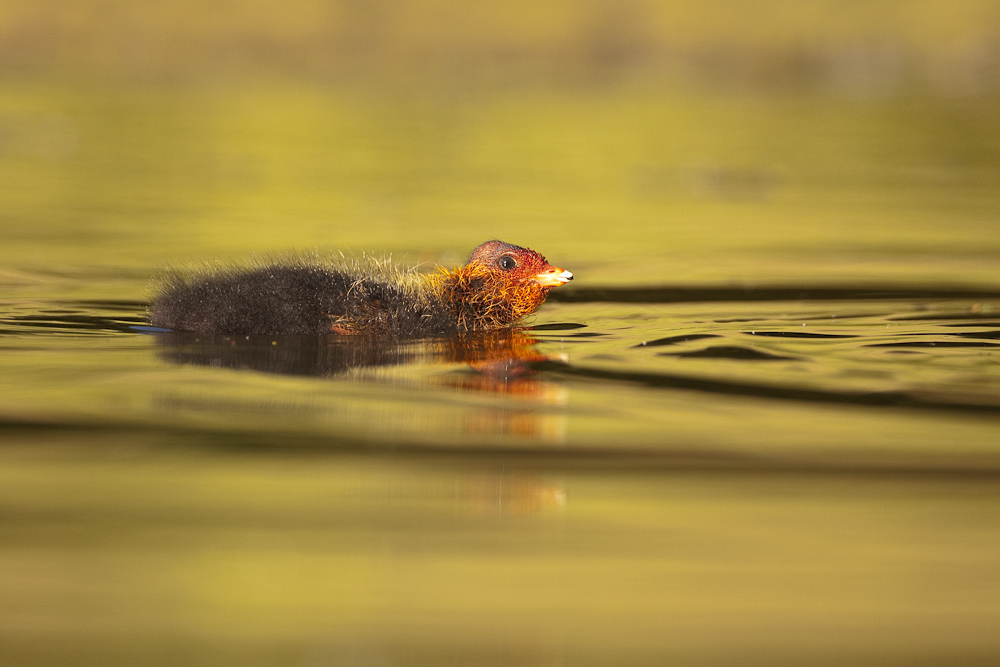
(507, 262)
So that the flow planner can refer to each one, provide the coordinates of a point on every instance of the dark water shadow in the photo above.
(677, 457)
(687, 294)
(876, 399)
(796, 334)
(934, 343)
(673, 340)
(72, 321)
(734, 352)
(498, 356)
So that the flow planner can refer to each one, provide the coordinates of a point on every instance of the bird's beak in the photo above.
(553, 277)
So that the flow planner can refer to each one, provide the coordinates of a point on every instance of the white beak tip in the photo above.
(553, 278)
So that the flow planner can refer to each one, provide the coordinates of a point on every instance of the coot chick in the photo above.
(499, 285)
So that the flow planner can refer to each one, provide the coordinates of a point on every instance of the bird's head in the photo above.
(500, 284)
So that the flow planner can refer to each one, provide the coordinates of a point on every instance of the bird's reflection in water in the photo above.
(498, 355)
(496, 362)
(512, 493)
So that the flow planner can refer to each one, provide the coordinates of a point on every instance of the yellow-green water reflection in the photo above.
(116, 549)
(633, 187)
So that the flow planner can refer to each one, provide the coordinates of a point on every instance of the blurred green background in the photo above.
(641, 142)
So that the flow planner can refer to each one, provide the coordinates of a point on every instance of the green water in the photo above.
(761, 425)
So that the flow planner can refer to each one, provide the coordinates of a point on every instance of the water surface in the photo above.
(762, 425)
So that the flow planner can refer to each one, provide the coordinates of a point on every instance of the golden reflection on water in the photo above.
(494, 364)
(273, 558)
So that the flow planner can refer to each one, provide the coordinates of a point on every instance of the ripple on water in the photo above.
(588, 374)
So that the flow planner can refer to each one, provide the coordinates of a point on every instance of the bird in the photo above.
(496, 288)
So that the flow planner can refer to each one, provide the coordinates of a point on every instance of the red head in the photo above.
(517, 265)
(500, 284)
